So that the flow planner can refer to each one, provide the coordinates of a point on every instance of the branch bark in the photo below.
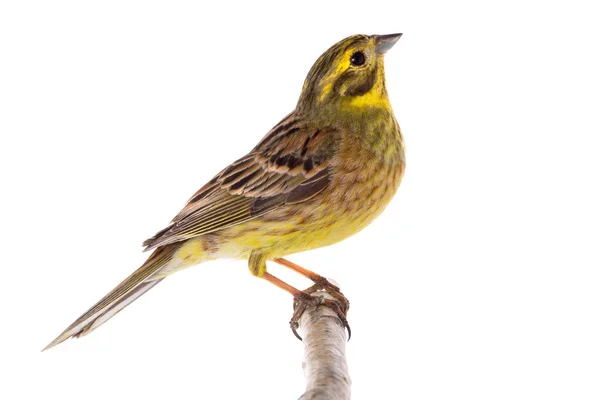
(325, 367)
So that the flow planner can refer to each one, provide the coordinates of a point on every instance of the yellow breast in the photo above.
(365, 177)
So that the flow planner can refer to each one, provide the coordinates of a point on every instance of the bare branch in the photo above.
(325, 368)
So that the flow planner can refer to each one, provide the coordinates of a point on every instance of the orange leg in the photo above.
(281, 284)
(302, 271)
(303, 299)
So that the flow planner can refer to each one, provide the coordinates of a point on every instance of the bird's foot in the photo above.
(340, 304)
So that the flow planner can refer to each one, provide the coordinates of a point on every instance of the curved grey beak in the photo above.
(385, 42)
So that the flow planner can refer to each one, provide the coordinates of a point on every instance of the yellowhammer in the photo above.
(319, 176)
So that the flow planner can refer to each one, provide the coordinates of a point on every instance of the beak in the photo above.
(385, 42)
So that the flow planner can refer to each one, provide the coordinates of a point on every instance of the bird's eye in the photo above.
(357, 59)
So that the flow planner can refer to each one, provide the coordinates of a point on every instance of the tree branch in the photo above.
(325, 368)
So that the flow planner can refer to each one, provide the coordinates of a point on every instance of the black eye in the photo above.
(357, 58)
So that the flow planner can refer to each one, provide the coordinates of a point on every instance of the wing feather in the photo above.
(290, 165)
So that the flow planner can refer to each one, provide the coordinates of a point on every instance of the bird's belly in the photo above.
(354, 202)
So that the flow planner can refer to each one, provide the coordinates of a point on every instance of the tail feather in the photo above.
(120, 297)
(124, 302)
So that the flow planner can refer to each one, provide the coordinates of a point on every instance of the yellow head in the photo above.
(349, 75)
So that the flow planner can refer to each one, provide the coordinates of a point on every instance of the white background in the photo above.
(480, 281)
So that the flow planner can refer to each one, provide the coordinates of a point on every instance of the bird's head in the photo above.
(349, 75)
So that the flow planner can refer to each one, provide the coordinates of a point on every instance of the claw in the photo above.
(341, 312)
(301, 301)
(294, 325)
(340, 305)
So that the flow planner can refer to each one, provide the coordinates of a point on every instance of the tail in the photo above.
(120, 297)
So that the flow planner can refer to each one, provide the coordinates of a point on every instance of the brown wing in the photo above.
(291, 164)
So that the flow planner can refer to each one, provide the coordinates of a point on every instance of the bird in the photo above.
(319, 176)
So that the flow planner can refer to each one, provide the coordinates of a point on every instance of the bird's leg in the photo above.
(302, 271)
(302, 299)
(340, 304)
(281, 284)
(321, 283)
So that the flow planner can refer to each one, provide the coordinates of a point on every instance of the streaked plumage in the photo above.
(320, 175)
